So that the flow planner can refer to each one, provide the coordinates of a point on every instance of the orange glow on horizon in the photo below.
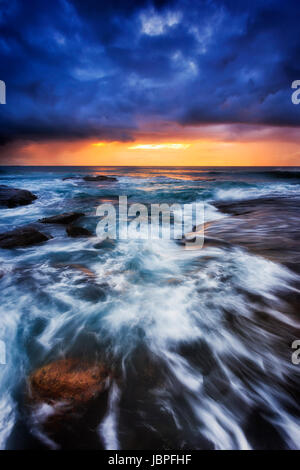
(99, 144)
(210, 150)
(159, 146)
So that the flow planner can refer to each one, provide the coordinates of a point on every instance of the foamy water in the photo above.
(201, 338)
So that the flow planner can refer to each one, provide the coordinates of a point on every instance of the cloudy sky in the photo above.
(149, 82)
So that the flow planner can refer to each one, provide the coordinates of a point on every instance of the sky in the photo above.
(124, 82)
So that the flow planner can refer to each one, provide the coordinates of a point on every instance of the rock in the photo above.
(268, 227)
(210, 242)
(99, 178)
(248, 206)
(22, 237)
(78, 267)
(75, 231)
(68, 380)
(90, 292)
(261, 431)
(71, 178)
(91, 178)
(107, 243)
(63, 219)
(66, 400)
(13, 197)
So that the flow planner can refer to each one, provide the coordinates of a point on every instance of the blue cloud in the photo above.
(77, 69)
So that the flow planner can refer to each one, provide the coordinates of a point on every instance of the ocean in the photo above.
(199, 341)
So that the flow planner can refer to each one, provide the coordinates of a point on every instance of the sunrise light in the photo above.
(159, 146)
(99, 144)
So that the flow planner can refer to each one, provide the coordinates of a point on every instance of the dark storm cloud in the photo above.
(77, 69)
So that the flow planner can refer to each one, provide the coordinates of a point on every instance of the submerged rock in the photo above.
(22, 237)
(107, 243)
(13, 197)
(75, 231)
(63, 219)
(78, 267)
(99, 178)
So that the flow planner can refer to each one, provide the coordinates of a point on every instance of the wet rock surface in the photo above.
(100, 178)
(66, 401)
(13, 197)
(249, 205)
(22, 237)
(268, 227)
(63, 219)
(71, 178)
(77, 232)
(199, 343)
(68, 380)
(91, 178)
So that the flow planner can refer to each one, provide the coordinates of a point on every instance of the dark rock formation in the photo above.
(100, 178)
(76, 232)
(63, 219)
(71, 178)
(107, 244)
(12, 197)
(91, 178)
(21, 237)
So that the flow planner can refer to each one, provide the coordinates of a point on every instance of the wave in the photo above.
(199, 338)
(240, 192)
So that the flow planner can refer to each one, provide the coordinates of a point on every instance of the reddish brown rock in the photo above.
(68, 380)
(78, 267)
(67, 399)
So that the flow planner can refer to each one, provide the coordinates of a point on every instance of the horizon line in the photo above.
(153, 166)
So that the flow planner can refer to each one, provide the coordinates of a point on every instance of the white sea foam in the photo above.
(108, 429)
(257, 191)
(169, 297)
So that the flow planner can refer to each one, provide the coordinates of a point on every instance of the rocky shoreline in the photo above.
(29, 235)
(65, 399)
